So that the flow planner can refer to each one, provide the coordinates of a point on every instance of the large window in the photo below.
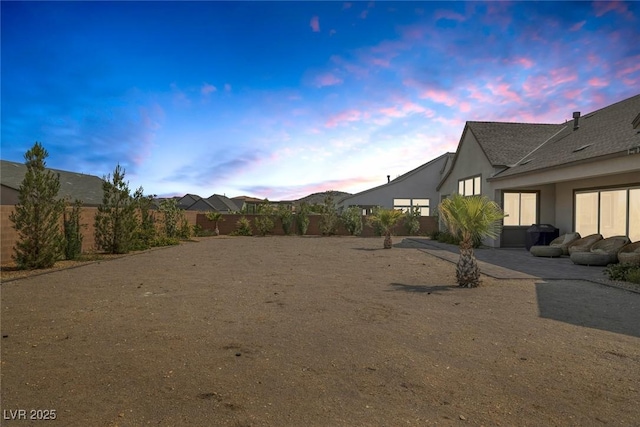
(406, 204)
(469, 186)
(520, 208)
(613, 212)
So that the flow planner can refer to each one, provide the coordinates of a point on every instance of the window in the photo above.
(469, 186)
(520, 208)
(406, 204)
(608, 212)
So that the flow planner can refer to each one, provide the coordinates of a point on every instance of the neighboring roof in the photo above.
(448, 156)
(506, 143)
(87, 188)
(247, 199)
(605, 132)
(222, 203)
(187, 200)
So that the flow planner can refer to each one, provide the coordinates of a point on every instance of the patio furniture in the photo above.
(603, 252)
(584, 244)
(558, 246)
(630, 254)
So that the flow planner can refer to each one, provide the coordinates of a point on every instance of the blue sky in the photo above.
(283, 99)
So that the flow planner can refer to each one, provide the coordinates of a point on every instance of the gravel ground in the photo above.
(290, 331)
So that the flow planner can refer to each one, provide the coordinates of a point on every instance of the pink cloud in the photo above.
(604, 7)
(315, 24)
(448, 14)
(343, 117)
(628, 66)
(363, 14)
(227, 87)
(327, 79)
(598, 82)
(332, 32)
(525, 62)
(206, 89)
(440, 96)
(503, 90)
(577, 26)
(347, 5)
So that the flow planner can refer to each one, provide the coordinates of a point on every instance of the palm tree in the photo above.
(470, 218)
(215, 217)
(386, 219)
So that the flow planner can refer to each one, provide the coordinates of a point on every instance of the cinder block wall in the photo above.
(9, 236)
(227, 225)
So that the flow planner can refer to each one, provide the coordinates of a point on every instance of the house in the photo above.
(73, 185)
(414, 189)
(216, 203)
(247, 204)
(582, 175)
(187, 200)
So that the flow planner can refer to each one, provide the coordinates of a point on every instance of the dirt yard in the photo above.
(291, 331)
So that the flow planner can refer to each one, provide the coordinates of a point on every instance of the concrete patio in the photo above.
(513, 263)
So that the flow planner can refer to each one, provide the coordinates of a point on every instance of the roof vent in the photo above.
(576, 120)
(388, 179)
(581, 148)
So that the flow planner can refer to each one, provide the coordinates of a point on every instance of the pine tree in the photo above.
(115, 221)
(73, 230)
(37, 216)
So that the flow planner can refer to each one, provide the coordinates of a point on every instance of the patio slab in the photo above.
(515, 263)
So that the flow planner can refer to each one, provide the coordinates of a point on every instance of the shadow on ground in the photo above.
(422, 289)
(590, 305)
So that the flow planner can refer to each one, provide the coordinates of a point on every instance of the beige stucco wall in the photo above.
(470, 161)
(419, 185)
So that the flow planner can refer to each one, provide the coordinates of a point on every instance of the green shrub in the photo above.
(624, 272)
(145, 231)
(72, 231)
(329, 218)
(215, 217)
(165, 241)
(243, 228)
(37, 215)
(412, 221)
(352, 220)
(302, 218)
(285, 216)
(201, 232)
(115, 221)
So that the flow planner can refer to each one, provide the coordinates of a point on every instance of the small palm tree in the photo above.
(215, 217)
(470, 218)
(385, 219)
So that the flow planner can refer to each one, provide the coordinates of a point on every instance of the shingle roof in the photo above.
(87, 188)
(506, 143)
(604, 132)
(222, 203)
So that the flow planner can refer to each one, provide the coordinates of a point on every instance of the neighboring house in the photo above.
(247, 204)
(582, 175)
(414, 189)
(73, 185)
(188, 200)
(216, 203)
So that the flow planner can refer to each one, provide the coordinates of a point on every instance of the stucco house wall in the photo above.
(419, 183)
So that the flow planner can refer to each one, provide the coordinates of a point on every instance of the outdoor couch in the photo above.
(584, 244)
(630, 254)
(603, 252)
(558, 246)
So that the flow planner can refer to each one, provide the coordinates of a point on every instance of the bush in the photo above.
(328, 216)
(201, 232)
(72, 233)
(302, 218)
(285, 216)
(37, 216)
(352, 220)
(412, 221)
(243, 228)
(145, 232)
(624, 272)
(165, 241)
(115, 221)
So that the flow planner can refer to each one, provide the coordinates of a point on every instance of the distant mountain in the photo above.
(319, 197)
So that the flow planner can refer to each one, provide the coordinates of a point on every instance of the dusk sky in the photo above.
(283, 99)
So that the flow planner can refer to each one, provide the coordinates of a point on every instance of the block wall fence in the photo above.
(9, 236)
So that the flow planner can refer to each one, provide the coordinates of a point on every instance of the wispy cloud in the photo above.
(207, 89)
(327, 79)
(315, 24)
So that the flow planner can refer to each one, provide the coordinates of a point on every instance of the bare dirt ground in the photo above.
(291, 331)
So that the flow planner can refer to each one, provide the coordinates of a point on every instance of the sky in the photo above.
(282, 99)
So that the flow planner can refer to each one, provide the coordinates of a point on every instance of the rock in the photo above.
(463, 418)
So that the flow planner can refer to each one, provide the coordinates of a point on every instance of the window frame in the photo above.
(519, 193)
(475, 180)
(599, 190)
